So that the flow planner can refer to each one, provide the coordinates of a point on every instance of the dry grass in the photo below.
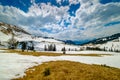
(52, 54)
(34, 53)
(66, 70)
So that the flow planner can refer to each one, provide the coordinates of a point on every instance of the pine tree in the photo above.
(69, 49)
(50, 47)
(54, 47)
(0, 42)
(64, 50)
(23, 46)
(45, 48)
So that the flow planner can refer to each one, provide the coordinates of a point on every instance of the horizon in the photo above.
(64, 19)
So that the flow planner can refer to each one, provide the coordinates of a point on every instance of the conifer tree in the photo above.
(64, 50)
(45, 48)
(54, 47)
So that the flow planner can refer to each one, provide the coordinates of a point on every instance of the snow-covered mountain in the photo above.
(104, 39)
(7, 31)
(110, 43)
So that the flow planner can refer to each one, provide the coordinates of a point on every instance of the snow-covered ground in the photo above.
(83, 52)
(2, 51)
(14, 65)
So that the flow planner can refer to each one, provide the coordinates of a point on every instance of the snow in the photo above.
(59, 46)
(25, 37)
(82, 52)
(13, 65)
(38, 41)
(4, 37)
(2, 51)
(111, 46)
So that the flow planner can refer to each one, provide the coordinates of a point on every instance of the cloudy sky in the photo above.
(63, 19)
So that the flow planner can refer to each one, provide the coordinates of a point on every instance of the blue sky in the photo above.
(63, 19)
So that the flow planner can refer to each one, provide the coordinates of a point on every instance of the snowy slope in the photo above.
(59, 46)
(6, 31)
(105, 39)
(111, 46)
(4, 37)
(109, 43)
(39, 42)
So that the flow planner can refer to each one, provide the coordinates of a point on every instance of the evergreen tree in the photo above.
(45, 48)
(0, 42)
(32, 48)
(54, 47)
(23, 46)
(64, 50)
(69, 49)
(51, 47)
(48, 47)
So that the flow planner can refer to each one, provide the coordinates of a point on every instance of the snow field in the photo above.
(13, 65)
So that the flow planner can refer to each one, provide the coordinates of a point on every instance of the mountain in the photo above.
(104, 39)
(8, 30)
(11, 29)
(109, 43)
(68, 42)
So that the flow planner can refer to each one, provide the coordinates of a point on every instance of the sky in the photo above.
(63, 19)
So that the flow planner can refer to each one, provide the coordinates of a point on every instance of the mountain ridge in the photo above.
(11, 29)
(104, 39)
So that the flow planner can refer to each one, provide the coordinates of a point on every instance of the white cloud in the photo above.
(73, 1)
(91, 17)
(59, 1)
(39, 15)
(94, 17)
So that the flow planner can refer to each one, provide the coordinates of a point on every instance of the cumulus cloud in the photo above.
(37, 17)
(45, 19)
(92, 18)
(74, 1)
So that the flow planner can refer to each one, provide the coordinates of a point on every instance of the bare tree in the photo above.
(12, 43)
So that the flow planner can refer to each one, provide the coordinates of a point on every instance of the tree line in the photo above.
(51, 47)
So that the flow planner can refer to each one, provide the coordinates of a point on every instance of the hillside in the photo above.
(109, 43)
(11, 29)
(104, 39)
(7, 31)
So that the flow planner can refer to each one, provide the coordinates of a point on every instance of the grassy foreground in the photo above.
(66, 70)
